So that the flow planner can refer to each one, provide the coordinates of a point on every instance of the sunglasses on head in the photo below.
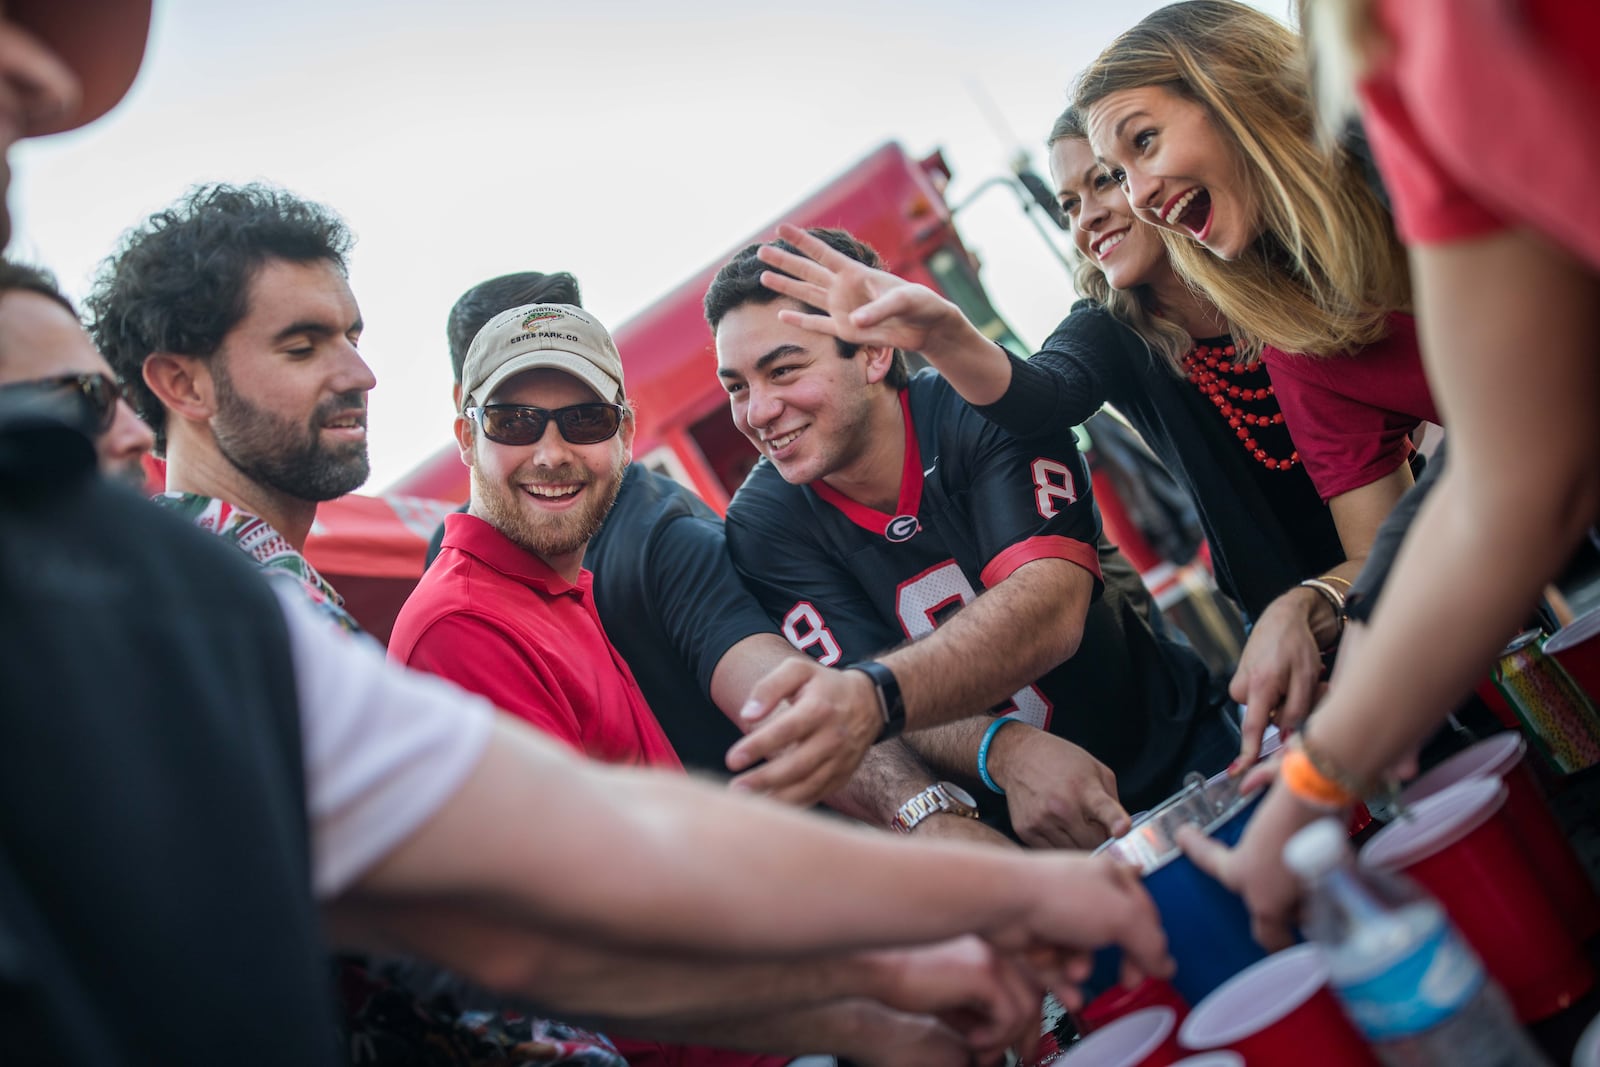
(522, 424)
(98, 393)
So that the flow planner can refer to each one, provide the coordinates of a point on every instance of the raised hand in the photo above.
(860, 304)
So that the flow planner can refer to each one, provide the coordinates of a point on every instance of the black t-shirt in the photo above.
(1267, 528)
(848, 582)
(671, 602)
(155, 881)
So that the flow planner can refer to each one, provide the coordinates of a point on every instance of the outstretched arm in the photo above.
(1522, 486)
(796, 1006)
(837, 889)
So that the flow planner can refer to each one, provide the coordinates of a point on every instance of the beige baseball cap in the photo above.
(557, 336)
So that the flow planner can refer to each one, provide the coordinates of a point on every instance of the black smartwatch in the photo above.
(889, 700)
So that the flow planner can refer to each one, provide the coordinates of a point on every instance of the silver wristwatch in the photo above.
(941, 796)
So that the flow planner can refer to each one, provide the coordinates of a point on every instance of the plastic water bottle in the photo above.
(1405, 976)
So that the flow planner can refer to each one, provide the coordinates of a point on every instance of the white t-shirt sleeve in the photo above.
(384, 747)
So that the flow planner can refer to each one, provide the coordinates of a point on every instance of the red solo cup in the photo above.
(1504, 756)
(1116, 1002)
(1223, 1058)
(1279, 1011)
(1145, 1038)
(1575, 648)
(1462, 847)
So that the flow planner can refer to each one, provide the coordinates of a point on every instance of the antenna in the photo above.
(1037, 189)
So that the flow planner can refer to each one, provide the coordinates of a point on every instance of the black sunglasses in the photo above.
(99, 394)
(522, 424)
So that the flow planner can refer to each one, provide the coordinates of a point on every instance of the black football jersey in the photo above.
(846, 582)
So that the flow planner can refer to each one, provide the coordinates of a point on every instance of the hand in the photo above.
(1279, 671)
(987, 998)
(863, 305)
(1058, 795)
(813, 745)
(1080, 903)
(945, 826)
(1254, 868)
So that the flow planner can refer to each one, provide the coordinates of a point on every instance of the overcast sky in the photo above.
(626, 141)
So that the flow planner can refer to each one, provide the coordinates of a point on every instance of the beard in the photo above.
(549, 536)
(286, 456)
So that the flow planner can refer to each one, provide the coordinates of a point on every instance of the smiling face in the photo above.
(1176, 167)
(1104, 228)
(802, 405)
(549, 497)
(291, 387)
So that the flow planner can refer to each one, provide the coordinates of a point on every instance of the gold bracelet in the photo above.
(1335, 600)
(1347, 583)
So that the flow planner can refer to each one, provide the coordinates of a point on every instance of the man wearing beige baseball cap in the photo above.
(507, 609)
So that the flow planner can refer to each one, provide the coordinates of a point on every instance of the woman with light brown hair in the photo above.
(1493, 192)
(1202, 112)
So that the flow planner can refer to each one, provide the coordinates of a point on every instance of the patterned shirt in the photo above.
(257, 538)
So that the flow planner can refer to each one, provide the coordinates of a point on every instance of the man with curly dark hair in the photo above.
(230, 316)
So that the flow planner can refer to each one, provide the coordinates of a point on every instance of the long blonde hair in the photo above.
(1135, 308)
(1328, 268)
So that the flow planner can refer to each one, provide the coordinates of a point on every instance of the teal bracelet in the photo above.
(983, 755)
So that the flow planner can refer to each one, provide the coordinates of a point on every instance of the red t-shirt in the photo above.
(1351, 417)
(494, 618)
(1482, 115)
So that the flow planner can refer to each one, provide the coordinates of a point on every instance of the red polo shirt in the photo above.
(494, 618)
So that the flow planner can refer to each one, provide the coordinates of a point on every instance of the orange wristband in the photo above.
(1301, 778)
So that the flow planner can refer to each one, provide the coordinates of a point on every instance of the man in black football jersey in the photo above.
(886, 509)
(694, 638)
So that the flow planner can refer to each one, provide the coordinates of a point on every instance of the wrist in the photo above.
(1324, 611)
(999, 757)
(886, 697)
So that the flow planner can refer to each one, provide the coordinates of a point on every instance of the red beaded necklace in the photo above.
(1206, 366)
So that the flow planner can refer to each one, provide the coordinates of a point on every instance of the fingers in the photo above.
(1143, 942)
(1102, 816)
(799, 775)
(776, 686)
(1251, 730)
(1211, 856)
(803, 291)
(825, 324)
(814, 247)
(1260, 776)
(1303, 685)
(808, 267)
(1107, 810)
